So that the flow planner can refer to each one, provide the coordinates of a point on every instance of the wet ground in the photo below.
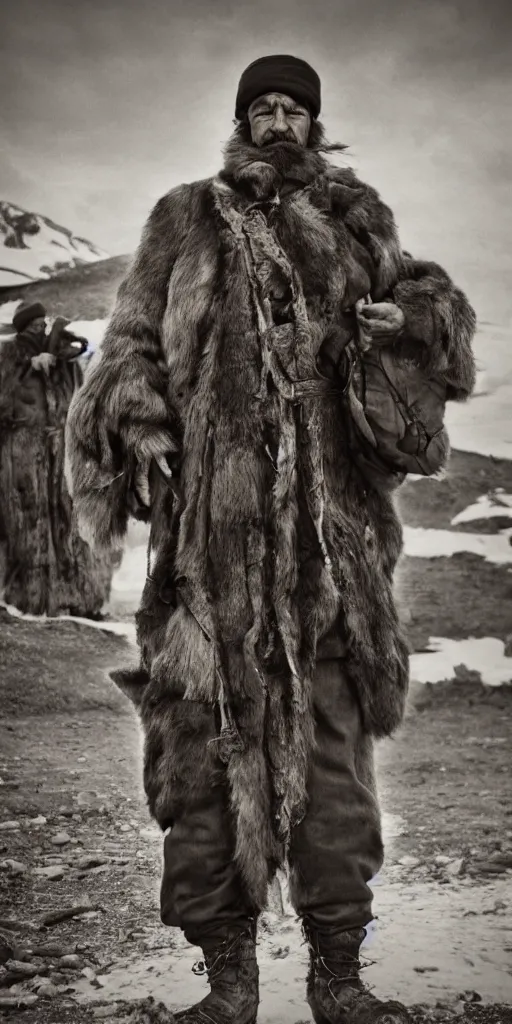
(74, 832)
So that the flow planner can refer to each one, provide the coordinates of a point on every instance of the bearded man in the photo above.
(264, 413)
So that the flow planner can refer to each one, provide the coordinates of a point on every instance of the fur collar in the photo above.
(262, 172)
(281, 168)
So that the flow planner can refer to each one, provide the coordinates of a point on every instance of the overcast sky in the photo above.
(106, 104)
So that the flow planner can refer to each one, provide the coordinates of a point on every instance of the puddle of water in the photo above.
(422, 948)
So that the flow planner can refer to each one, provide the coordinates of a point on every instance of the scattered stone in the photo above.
(66, 812)
(502, 857)
(456, 868)
(40, 820)
(14, 867)
(61, 839)
(91, 860)
(59, 978)
(442, 860)
(148, 833)
(409, 862)
(70, 960)
(54, 873)
(89, 974)
(81, 760)
(103, 1012)
(12, 925)
(487, 868)
(100, 869)
(89, 799)
(47, 990)
(17, 1002)
(16, 971)
(52, 950)
(9, 826)
(425, 970)
(125, 827)
(67, 913)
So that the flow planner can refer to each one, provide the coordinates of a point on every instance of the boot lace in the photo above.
(342, 959)
(228, 952)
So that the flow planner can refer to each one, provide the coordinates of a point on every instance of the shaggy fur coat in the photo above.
(284, 527)
(49, 568)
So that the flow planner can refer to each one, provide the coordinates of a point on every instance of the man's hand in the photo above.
(44, 361)
(141, 483)
(381, 321)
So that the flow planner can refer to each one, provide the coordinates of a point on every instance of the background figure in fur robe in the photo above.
(260, 411)
(49, 569)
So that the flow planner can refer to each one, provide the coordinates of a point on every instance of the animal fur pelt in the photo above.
(49, 569)
(277, 535)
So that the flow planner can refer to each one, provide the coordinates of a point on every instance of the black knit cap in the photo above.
(25, 313)
(279, 73)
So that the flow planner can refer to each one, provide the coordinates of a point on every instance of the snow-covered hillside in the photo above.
(34, 248)
(484, 424)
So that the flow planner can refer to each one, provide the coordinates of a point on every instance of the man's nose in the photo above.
(280, 122)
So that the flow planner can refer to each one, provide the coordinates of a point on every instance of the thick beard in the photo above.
(245, 163)
(288, 159)
(284, 155)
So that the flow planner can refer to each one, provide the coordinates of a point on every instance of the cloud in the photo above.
(111, 103)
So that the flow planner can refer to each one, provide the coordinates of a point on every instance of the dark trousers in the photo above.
(334, 852)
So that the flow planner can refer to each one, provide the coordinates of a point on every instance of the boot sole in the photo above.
(319, 1017)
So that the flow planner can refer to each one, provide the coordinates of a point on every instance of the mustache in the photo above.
(272, 138)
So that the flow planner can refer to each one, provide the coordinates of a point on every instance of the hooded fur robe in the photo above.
(277, 535)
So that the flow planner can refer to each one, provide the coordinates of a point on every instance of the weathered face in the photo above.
(275, 117)
(36, 327)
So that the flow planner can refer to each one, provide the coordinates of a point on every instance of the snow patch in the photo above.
(7, 310)
(484, 655)
(92, 330)
(487, 506)
(484, 424)
(126, 629)
(34, 248)
(420, 542)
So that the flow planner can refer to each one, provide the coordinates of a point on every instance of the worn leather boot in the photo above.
(335, 991)
(230, 963)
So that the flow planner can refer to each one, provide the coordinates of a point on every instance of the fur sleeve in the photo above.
(439, 324)
(120, 414)
(372, 224)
